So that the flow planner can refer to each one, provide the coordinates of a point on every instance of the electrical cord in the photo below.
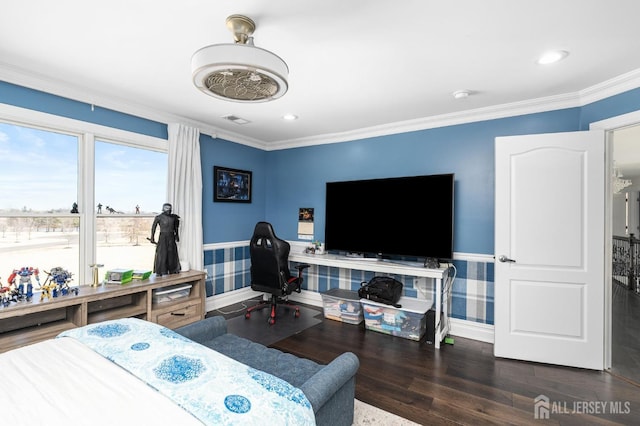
(243, 307)
(447, 290)
(446, 293)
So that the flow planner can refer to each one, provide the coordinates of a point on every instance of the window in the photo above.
(39, 186)
(129, 191)
(53, 182)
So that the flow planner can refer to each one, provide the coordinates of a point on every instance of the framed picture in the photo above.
(231, 185)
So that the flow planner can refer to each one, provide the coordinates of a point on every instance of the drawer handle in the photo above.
(178, 314)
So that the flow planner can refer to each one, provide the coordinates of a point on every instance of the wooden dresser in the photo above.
(24, 323)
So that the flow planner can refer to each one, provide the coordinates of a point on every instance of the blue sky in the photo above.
(39, 171)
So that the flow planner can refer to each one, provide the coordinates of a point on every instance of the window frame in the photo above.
(87, 134)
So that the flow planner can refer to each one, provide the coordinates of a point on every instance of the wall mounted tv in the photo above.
(391, 217)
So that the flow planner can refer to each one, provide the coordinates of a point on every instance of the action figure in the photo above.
(47, 289)
(74, 208)
(167, 260)
(25, 274)
(7, 295)
(60, 279)
(99, 208)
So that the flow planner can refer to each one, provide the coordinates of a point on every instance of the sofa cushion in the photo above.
(288, 367)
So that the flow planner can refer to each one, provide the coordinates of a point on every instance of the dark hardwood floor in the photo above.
(625, 335)
(464, 383)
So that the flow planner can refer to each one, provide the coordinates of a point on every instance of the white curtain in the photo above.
(184, 191)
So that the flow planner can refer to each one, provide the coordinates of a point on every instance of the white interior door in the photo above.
(549, 248)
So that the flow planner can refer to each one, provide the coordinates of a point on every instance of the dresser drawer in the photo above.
(178, 317)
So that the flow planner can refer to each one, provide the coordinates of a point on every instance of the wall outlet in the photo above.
(420, 283)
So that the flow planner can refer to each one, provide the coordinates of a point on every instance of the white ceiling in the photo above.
(357, 68)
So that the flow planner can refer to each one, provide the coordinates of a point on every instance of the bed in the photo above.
(128, 371)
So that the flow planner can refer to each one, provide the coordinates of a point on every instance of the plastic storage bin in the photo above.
(408, 321)
(342, 305)
(169, 294)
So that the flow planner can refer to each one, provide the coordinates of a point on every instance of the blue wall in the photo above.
(45, 102)
(609, 107)
(224, 221)
(297, 176)
(216, 224)
(285, 180)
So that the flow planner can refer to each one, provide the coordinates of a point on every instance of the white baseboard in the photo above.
(312, 298)
(461, 328)
(472, 330)
(238, 296)
(228, 298)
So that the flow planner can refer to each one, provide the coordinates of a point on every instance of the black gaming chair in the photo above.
(270, 270)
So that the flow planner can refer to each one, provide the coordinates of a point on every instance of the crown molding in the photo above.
(464, 117)
(611, 87)
(56, 87)
(615, 86)
(36, 81)
(27, 116)
(46, 84)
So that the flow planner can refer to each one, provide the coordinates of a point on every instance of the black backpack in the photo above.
(382, 289)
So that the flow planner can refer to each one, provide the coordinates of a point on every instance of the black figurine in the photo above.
(167, 260)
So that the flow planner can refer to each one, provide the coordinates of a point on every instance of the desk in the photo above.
(413, 269)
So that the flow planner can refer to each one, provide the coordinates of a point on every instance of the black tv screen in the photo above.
(403, 216)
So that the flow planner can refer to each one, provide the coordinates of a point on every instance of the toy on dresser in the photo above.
(8, 294)
(19, 286)
(24, 275)
(57, 283)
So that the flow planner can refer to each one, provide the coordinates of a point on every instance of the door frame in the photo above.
(609, 125)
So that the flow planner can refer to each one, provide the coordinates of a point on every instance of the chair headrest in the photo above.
(264, 237)
(264, 229)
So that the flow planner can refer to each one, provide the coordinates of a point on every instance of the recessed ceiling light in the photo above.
(289, 117)
(461, 94)
(552, 57)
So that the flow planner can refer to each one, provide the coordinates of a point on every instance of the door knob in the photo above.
(504, 258)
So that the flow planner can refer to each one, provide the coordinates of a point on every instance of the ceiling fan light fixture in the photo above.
(239, 71)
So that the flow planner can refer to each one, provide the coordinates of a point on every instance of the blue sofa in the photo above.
(329, 388)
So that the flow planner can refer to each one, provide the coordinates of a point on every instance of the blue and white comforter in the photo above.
(213, 387)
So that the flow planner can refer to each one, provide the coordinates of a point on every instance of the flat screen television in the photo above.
(391, 217)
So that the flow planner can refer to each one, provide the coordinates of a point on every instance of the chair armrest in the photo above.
(325, 383)
(297, 280)
(204, 330)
